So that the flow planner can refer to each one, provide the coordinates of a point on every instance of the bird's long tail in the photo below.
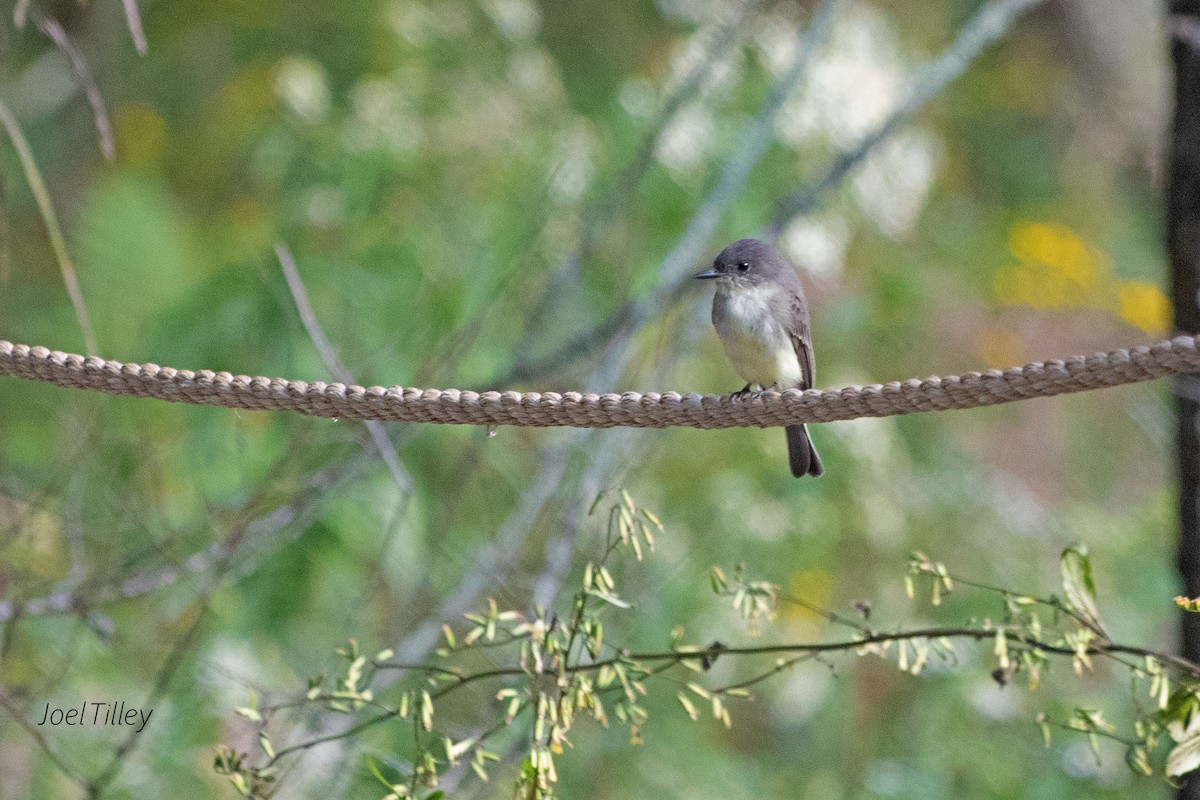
(802, 456)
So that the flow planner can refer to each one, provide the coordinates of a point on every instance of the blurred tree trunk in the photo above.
(1183, 246)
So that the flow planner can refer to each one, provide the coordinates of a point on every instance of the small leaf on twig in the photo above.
(1076, 569)
(1185, 757)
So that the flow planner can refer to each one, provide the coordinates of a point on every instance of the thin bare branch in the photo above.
(988, 26)
(83, 76)
(608, 452)
(492, 559)
(783, 666)
(335, 365)
(736, 170)
(5, 239)
(63, 766)
(252, 542)
(721, 39)
(691, 243)
(50, 219)
(162, 681)
(830, 616)
(676, 656)
(333, 737)
(133, 18)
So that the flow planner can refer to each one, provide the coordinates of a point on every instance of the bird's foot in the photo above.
(745, 392)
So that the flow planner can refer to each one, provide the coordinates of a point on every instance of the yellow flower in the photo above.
(1144, 306)
(1058, 248)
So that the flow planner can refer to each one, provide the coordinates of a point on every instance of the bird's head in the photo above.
(748, 263)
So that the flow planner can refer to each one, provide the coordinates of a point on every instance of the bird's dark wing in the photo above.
(802, 339)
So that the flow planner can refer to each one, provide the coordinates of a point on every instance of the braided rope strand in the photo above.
(573, 409)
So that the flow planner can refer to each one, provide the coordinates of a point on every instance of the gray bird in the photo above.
(761, 315)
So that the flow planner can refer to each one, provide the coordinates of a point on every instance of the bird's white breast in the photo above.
(755, 340)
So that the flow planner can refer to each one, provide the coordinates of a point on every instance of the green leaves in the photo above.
(1185, 757)
(754, 600)
(1080, 590)
(921, 564)
(1181, 718)
(249, 781)
(250, 710)
(559, 669)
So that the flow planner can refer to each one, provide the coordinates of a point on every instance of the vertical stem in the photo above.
(1183, 246)
(58, 242)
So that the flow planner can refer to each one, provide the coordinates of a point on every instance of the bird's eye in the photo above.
(744, 266)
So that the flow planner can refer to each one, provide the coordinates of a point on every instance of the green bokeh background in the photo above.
(432, 167)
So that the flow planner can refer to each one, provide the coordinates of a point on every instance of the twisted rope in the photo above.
(630, 409)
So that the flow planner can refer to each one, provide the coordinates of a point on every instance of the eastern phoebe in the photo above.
(760, 314)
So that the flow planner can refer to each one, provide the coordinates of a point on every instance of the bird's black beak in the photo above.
(711, 273)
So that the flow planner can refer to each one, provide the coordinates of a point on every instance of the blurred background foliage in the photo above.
(466, 186)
